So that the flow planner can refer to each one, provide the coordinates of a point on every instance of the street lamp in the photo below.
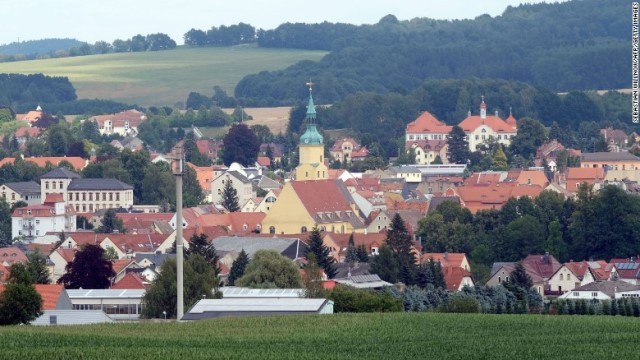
(165, 315)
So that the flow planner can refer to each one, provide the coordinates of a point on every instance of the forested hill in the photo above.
(575, 45)
(33, 48)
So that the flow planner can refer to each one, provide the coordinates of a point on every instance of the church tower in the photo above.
(311, 148)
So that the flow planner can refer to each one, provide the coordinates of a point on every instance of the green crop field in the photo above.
(341, 336)
(162, 77)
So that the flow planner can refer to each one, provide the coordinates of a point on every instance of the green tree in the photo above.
(555, 244)
(37, 267)
(199, 282)
(531, 134)
(240, 145)
(199, 244)
(238, 267)
(312, 279)
(321, 252)
(499, 160)
(88, 270)
(192, 194)
(458, 146)
(519, 282)
(362, 254)
(230, 199)
(385, 264)
(399, 241)
(270, 270)
(20, 303)
(352, 252)
(111, 223)
(437, 160)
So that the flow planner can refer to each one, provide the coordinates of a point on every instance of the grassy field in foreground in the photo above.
(162, 77)
(345, 336)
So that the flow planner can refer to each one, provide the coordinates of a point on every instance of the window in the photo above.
(575, 293)
(60, 185)
(46, 185)
(272, 230)
(561, 277)
(53, 184)
(568, 276)
(477, 137)
(303, 230)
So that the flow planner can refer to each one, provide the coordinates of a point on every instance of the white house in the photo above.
(600, 290)
(36, 220)
(27, 191)
(240, 182)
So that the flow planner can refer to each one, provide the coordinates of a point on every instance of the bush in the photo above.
(348, 299)
(460, 305)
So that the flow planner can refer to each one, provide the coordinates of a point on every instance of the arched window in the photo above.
(272, 230)
(303, 230)
(561, 277)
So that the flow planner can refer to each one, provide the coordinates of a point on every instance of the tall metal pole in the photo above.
(178, 171)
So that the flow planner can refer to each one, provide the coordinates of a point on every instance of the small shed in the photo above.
(215, 308)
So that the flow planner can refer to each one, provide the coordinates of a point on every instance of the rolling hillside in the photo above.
(163, 77)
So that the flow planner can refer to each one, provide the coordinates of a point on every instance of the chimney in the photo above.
(446, 255)
(546, 258)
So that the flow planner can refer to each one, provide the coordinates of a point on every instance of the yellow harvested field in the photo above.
(275, 118)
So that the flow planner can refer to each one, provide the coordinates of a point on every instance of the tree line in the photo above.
(71, 48)
(221, 36)
(575, 45)
(591, 227)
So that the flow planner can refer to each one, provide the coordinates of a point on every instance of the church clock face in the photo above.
(306, 141)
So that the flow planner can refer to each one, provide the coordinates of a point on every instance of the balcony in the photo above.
(27, 227)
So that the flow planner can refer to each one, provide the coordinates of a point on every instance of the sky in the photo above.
(107, 20)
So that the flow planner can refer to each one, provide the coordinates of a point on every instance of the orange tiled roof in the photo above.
(453, 276)
(50, 294)
(585, 174)
(494, 122)
(264, 161)
(528, 177)
(446, 260)
(427, 123)
(78, 163)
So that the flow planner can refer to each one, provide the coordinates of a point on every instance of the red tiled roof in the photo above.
(453, 276)
(53, 198)
(511, 121)
(427, 123)
(4, 274)
(66, 253)
(540, 267)
(137, 242)
(577, 268)
(130, 281)
(494, 122)
(11, 255)
(31, 132)
(369, 240)
(322, 195)
(335, 173)
(264, 161)
(134, 117)
(212, 232)
(31, 116)
(528, 177)
(337, 146)
(44, 249)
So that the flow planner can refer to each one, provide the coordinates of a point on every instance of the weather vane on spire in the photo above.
(310, 85)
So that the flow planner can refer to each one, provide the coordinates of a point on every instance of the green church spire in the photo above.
(311, 136)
